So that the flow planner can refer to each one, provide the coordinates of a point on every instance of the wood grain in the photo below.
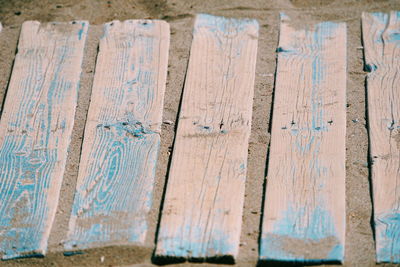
(304, 211)
(35, 132)
(202, 211)
(122, 136)
(381, 36)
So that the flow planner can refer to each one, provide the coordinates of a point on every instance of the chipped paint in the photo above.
(202, 211)
(33, 153)
(387, 229)
(305, 228)
(381, 39)
(303, 234)
(122, 140)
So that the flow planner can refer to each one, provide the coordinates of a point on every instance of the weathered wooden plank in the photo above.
(122, 136)
(381, 36)
(202, 211)
(35, 132)
(304, 214)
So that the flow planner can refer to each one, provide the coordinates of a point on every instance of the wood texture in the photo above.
(122, 136)
(202, 211)
(304, 211)
(381, 36)
(35, 132)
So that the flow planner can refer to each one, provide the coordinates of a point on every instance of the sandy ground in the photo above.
(180, 14)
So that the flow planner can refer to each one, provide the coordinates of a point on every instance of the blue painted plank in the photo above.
(304, 211)
(122, 136)
(202, 213)
(381, 37)
(35, 132)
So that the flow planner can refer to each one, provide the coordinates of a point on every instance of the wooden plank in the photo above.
(202, 211)
(122, 136)
(381, 36)
(304, 211)
(35, 132)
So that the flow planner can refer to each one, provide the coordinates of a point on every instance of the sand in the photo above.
(180, 14)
